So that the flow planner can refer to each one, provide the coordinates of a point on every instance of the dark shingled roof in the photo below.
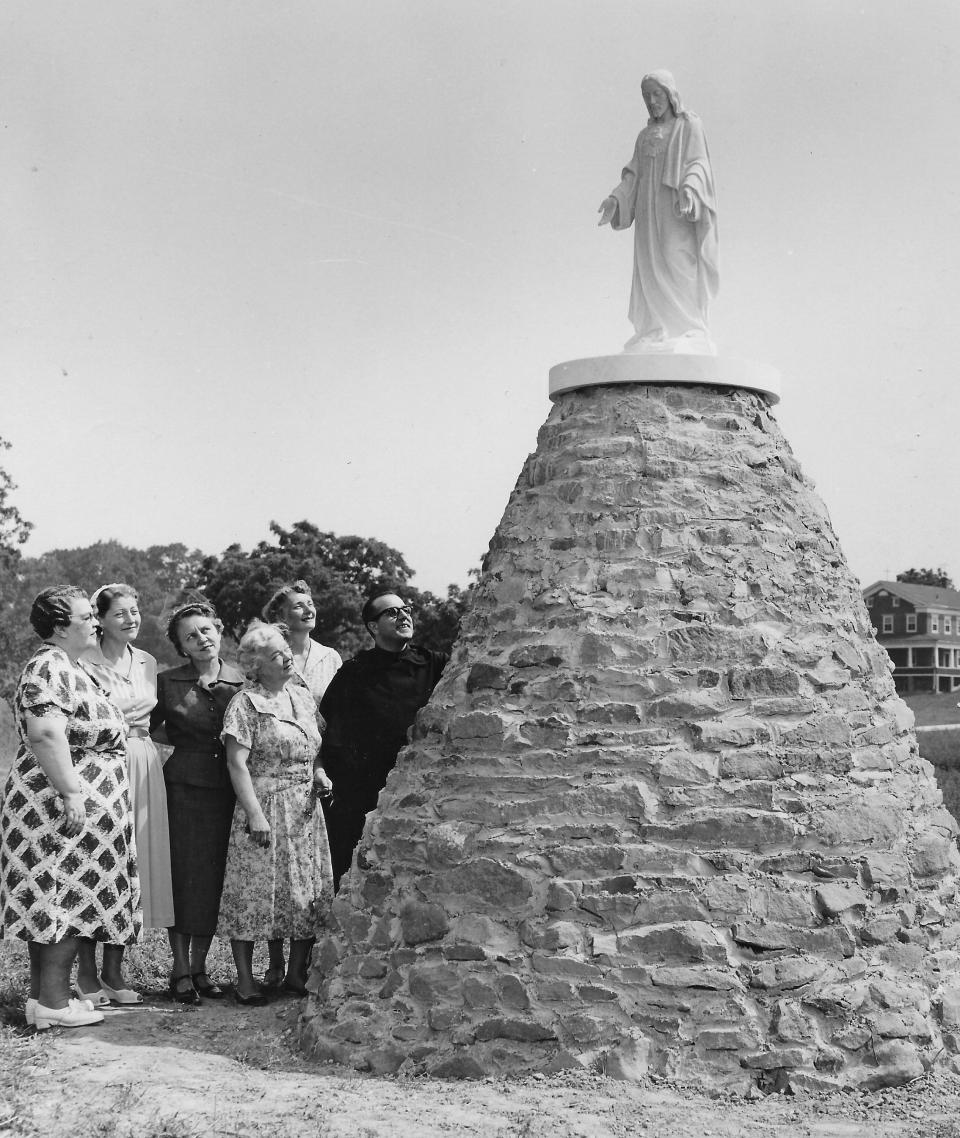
(921, 596)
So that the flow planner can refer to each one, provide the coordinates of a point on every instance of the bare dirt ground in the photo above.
(164, 1070)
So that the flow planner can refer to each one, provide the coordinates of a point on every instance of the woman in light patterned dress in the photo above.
(67, 863)
(279, 880)
(129, 675)
(293, 606)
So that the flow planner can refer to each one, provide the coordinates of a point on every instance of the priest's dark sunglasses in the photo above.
(394, 612)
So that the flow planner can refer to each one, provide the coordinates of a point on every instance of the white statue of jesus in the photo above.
(667, 194)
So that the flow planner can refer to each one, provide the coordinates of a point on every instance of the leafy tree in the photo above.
(18, 641)
(438, 621)
(160, 574)
(341, 571)
(937, 577)
(14, 531)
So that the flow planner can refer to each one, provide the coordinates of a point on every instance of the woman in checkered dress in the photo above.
(67, 862)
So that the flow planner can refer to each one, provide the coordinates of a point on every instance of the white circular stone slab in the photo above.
(718, 371)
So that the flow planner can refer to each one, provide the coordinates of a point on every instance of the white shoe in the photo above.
(75, 1014)
(97, 999)
(30, 1010)
(123, 996)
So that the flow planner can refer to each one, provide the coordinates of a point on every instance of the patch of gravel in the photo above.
(175, 1072)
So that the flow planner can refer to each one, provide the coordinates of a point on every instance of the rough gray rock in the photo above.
(665, 812)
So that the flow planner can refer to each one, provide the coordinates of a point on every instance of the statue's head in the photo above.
(659, 89)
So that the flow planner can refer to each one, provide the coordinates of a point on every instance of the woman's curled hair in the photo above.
(273, 610)
(252, 641)
(104, 597)
(52, 609)
(192, 608)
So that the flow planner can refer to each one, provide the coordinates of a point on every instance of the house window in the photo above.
(887, 623)
(896, 602)
(911, 622)
(948, 624)
(934, 624)
(870, 602)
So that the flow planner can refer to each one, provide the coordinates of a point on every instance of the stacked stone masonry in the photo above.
(665, 812)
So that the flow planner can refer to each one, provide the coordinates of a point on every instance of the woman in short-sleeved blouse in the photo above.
(279, 880)
(129, 675)
(316, 664)
(67, 862)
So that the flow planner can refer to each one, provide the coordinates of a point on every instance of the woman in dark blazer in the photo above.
(191, 701)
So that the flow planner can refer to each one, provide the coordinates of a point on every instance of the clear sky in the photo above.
(284, 259)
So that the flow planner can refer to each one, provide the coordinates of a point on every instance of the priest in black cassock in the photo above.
(369, 706)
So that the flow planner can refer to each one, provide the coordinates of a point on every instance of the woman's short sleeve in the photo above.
(240, 721)
(48, 686)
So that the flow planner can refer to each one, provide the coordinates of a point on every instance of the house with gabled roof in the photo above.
(919, 625)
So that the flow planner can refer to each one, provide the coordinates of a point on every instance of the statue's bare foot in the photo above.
(693, 343)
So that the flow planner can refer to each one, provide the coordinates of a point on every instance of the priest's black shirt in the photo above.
(370, 704)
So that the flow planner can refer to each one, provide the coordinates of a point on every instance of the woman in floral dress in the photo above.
(67, 863)
(293, 606)
(279, 880)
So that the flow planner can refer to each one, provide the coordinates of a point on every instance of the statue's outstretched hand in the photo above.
(608, 207)
(689, 206)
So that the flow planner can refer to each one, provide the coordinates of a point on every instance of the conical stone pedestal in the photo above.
(665, 812)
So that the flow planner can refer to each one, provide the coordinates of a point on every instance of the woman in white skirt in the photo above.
(129, 675)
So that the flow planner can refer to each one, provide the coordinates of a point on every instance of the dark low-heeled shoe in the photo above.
(273, 977)
(295, 990)
(189, 995)
(206, 987)
(256, 1000)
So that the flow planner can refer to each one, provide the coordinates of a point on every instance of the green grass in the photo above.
(146, 967)
(20, 1062)
(949, 783)
(942, 749)
(932, 709)
(147, 964)
(21, 1051)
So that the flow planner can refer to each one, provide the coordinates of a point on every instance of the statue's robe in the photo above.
(675, 259)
